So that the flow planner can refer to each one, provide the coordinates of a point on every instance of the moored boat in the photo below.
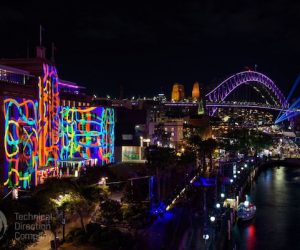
(246, 211)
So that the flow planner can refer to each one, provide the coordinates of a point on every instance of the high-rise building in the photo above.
(196, 91)
(177, 92)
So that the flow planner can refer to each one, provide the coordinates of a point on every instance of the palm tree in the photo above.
(160, 158)
(198, 146)
(210, 146)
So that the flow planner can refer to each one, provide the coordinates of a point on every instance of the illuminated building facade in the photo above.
(48, 119)
(177, 92)
(20, 141)
(196, 91)
(87, 132)
(167, 134)
(45, 121)
(232, 118)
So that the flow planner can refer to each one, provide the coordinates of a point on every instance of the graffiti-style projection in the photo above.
(48, 116)
(20, 142)
(87, 133)
(39, 133)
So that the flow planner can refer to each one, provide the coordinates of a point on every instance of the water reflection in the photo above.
(250, 236)
(276, 195)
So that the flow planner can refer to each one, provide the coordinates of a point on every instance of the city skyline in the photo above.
(102, 46)
(149, 125)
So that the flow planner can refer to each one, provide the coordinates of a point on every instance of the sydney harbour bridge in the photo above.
(248, 89)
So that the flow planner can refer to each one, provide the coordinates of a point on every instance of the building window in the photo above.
(127, 137)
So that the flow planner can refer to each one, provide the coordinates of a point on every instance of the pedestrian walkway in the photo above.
(44, 241)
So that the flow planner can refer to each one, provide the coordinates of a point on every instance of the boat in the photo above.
(246, 211)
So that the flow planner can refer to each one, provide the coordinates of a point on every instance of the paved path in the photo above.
(44, 241)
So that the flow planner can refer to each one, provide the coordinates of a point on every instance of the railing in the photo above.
(14, 77)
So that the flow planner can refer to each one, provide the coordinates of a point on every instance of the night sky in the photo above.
(146, 47)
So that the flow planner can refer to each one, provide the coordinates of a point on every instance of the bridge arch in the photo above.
(225, 88)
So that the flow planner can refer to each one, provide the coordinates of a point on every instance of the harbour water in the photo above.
(276, 194)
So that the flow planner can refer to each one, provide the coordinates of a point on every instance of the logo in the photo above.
(3, 224)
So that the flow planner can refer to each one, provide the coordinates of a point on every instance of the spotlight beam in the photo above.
(291, 93)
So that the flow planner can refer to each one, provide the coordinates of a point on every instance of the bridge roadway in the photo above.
(243, 105)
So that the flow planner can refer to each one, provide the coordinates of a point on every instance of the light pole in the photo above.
(205, 237)
(61, 206)
(63, 222)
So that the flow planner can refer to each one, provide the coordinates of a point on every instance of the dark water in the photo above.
(276, 194)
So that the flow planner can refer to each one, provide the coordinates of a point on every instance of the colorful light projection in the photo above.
(48, 117)
(87, 133)
(20, 142)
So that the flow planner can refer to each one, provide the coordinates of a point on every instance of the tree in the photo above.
(209, 146)
(159, 158)
(60, 197)
(161, 136)
(247, 140)
(73, 202)
(136, 215)
(110, 212)
(188, 156)
(199, 148)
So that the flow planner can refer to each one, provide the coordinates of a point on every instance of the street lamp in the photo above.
(61, 206)
(231, 180)
(102, 181)
(15, 194)
(218, 205)
(212, 218)
(205, 237)
(222, 195)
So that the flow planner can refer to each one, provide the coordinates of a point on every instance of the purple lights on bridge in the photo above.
(225, 88)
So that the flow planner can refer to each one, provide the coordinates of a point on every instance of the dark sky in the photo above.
(147, 46)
